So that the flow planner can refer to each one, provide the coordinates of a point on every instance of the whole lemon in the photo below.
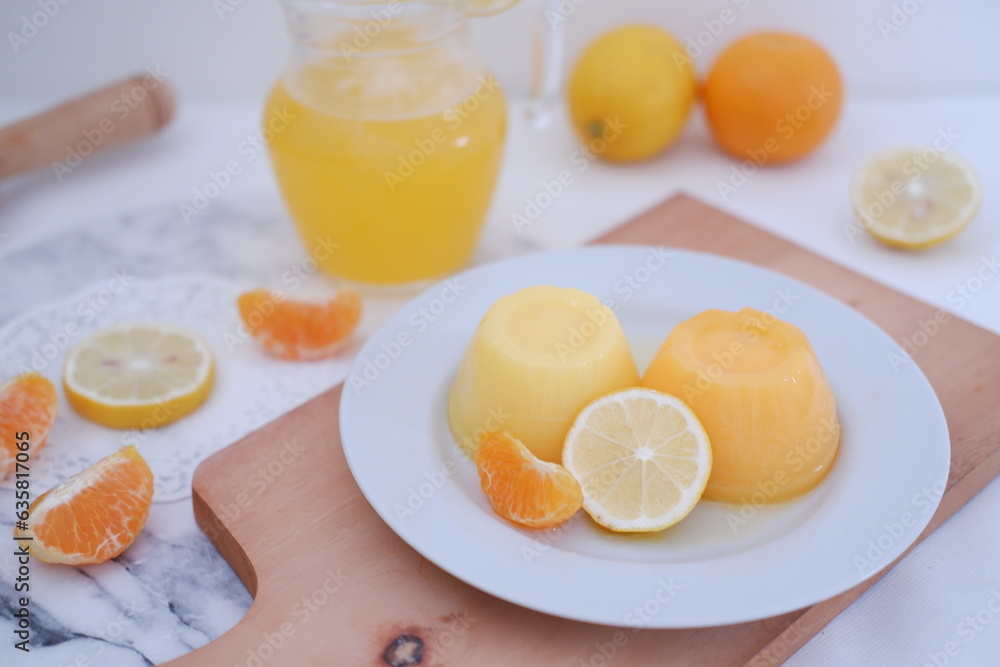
(773, 97)
(631, 93)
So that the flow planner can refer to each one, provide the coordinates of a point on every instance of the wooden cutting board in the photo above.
(333, 585)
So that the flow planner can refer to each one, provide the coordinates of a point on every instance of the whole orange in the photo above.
(773, 97)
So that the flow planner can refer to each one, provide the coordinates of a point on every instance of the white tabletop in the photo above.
(936, 608)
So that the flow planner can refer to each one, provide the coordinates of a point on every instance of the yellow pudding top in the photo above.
(551, 326)
(537, 358)
(541, 327)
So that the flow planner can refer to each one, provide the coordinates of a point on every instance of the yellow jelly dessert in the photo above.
(756, 386)
(538, 357)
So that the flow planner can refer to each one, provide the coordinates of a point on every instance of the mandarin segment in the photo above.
(522, 488)
(94, 515)
(300, 330)
(28, 405)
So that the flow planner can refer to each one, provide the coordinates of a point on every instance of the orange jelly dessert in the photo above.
(537, 358)
(757, 387)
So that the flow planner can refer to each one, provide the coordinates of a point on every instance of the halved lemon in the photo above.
(138, 375)
(915, 198)
(641, 457)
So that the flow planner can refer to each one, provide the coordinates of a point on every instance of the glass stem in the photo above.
(546, 62)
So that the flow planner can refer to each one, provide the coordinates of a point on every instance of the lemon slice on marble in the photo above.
(138, 375)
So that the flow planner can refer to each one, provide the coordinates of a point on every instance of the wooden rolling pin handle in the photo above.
(67, 134)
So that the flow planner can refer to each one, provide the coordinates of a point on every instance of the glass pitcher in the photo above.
(386, 137)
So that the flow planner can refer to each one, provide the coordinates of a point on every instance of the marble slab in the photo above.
(170, 592)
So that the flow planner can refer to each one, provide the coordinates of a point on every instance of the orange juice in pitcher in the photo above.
(392, 138)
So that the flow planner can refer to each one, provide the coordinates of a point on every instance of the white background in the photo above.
(941, 69)
(944, 46)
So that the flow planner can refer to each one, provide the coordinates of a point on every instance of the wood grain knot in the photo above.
(404, 650)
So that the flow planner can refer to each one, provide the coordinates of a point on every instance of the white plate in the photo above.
(723, 563)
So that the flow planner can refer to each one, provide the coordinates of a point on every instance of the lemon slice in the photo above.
(915, 198)
(138, 375)
(488, 7)
(642, 458)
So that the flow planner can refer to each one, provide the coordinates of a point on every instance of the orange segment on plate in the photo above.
(521, 487)
(300, 330)
(27, 406)
(94, 515)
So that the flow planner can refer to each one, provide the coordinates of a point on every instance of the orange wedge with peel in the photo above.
(28, 405)
(94, 515)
